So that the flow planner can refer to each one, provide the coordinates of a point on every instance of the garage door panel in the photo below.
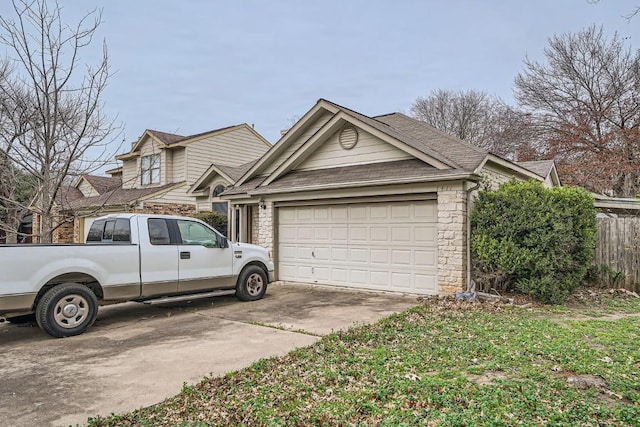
(401, 235)
(339, 234)
(321, 253)
(425, 234)
(426, 258)
(400, 212)
(322, 233)
(387, 246)
(359, 255)
(339, 213)
(359, 277)
(358, 234)
(379, 256)
(339, 254)
(401, 257)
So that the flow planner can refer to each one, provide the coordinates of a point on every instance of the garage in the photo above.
(390, 245)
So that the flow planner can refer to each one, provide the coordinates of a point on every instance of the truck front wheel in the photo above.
(66, 310)
(252, 284)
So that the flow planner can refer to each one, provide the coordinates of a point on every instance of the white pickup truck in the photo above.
(127, 257)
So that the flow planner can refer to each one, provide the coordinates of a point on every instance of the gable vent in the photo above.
(348, 137)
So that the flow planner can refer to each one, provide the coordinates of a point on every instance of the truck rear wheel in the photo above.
(252, 284)
(66, 310)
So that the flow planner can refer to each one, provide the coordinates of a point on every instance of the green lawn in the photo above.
(441, 363)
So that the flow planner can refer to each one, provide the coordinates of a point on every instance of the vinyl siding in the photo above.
(130, 176)
(232, 148)
(178, 161)
(322, 120)
(177, 195)
(368, 149)
(203, 204)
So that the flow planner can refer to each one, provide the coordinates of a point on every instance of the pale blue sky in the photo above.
(191, 66)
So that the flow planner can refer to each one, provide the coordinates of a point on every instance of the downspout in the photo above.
(470, 288)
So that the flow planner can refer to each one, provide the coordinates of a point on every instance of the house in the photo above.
(157, 176)
(366, 202)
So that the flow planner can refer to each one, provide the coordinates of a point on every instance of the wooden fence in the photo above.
(618, 249)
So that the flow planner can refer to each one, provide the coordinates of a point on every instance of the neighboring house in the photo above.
(157, 175)
(366, 202)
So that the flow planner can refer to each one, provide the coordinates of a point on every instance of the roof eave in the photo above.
(390, 181)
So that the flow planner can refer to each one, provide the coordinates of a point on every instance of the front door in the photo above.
(203, 264)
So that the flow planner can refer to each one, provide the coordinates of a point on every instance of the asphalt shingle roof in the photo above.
(539, 167)
(103, 183)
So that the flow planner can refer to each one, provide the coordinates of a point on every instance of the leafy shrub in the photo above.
(214, 219)
(542, 239)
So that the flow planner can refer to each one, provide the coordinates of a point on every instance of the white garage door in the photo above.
(387, 246)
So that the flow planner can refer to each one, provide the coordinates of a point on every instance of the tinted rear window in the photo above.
(122, 231)
(95, 232)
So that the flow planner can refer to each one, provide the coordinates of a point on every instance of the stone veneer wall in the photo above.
(265, 226)
(452, 238)
(255, 226)
(65, 233)
(165, 209)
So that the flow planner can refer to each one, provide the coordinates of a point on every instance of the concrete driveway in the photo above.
(137, 355)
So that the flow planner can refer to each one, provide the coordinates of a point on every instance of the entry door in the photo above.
(159, 260)
(202, 264)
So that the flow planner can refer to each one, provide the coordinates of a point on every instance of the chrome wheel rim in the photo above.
(254, 284)
(71, 311)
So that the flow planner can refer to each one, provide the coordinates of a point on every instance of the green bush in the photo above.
(214, 219)
(542, 239)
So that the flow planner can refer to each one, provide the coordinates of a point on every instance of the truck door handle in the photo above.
(185, 255)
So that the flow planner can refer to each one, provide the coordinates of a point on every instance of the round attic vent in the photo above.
(348, 137)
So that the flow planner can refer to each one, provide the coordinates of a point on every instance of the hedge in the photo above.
(537, 240)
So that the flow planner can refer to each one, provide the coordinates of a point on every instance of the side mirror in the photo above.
(222, 242)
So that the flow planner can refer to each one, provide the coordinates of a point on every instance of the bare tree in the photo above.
(586, 101)
(477, 117)
(60, 129)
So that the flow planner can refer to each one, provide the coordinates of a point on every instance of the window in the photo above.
(219, 207)
(194, 233)
(150, 166)
(95, 232)
(159, 232)
(122, 231)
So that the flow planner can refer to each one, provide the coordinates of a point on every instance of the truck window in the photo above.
(122, 231)
(158, 232)
(108, 231)
(95, 232)
(194, 233)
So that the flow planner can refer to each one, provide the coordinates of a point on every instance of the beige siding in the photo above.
(232, 148)
(203, 203)
(368, 149)
(86, 189)
(178, 162)
(322, 120)
(177, 195)
(130, 176)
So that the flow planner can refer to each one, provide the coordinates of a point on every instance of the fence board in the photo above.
(618, 247)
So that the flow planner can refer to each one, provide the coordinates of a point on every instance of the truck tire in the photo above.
(252, 284)
(66, 310)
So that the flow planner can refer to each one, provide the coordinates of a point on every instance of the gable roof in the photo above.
(164, 137)
(539, 167)
(230, 173)
(116, 197)
(102, 183)
(170, 140)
